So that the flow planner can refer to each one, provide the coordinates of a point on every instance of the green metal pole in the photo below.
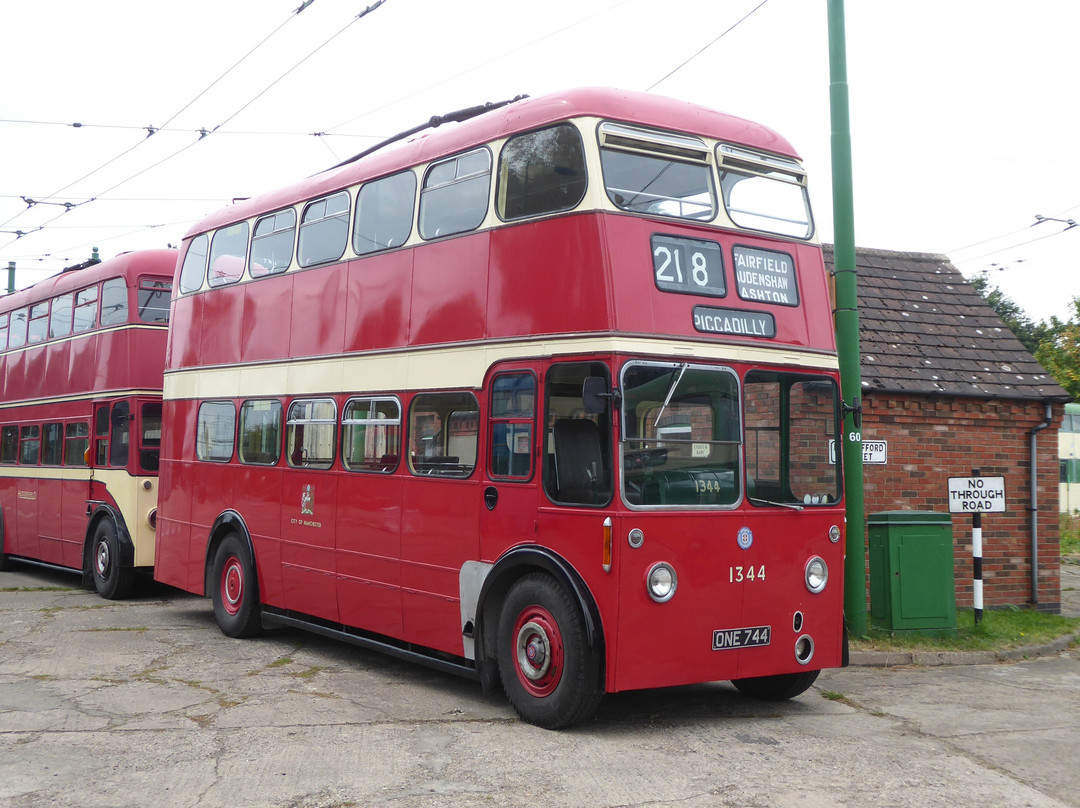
(847, 323)
(11, 277)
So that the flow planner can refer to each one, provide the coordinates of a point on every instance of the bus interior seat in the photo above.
(578, 460)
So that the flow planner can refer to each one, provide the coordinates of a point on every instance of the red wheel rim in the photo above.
(232, 585)
(538, 649)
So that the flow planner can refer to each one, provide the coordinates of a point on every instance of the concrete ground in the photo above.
(145, 703)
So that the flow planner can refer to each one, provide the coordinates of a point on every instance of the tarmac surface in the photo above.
(145, 703)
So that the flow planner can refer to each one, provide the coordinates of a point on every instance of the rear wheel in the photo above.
(111, 579)
(781, 687)
(547, 669)
(235, 589)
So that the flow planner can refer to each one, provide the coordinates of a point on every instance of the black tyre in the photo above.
(112, 579)
(235, 589)
(777, 688)
(548, 671)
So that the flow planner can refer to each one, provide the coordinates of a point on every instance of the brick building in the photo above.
(948, 389)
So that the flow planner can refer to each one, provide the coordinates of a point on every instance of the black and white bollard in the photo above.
(976, 553)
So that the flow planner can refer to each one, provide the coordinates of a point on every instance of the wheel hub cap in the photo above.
(102, 558)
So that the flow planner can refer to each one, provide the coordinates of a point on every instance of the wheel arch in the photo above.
(516, 564)
(100, 513)
(227, 522)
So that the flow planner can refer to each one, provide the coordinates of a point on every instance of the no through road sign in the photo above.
(976, 495)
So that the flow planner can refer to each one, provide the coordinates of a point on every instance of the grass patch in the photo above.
(1070, 538)
(999, 629)
(37, 589)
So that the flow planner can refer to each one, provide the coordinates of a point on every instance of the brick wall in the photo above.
(931, 439)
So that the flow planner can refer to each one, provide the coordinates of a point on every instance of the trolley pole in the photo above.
(11, 277)
(847, 324)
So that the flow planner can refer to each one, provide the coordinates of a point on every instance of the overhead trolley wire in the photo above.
(202, 133)
(739, 22)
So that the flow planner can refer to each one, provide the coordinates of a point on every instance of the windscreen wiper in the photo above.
(670, 392)
(791, 505)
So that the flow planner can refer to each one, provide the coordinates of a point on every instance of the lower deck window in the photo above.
(215, 431)
(443, 434)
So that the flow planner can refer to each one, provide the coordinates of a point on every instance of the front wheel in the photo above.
(549, 672)
(111, 579)
(781, 687)
(235, 589)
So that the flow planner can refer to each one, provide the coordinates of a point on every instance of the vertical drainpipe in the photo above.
(847, 324)
(1033, 436)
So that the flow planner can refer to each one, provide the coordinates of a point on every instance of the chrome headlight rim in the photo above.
(661, 582)
(816, 574)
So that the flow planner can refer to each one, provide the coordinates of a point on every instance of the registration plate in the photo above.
(727, 638)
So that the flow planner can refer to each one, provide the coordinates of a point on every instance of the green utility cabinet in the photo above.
(912, 587)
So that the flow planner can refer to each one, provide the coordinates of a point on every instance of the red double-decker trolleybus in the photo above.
(547, 393)
(81, 362)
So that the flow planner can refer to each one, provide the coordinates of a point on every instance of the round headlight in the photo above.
(817, 574)
(834, 534)
(662, 582)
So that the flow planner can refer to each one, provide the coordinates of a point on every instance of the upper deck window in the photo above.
(657, 173)
(764, 192)
(17, 331)
(60, 319)
(85, 309)
(541, 172)
(228, 253)
(455, 194)
(272, 244)
(114, 302)
(384, 213)
(39, 323)
(154, 297)
(193, 270)
(3, 331)
(324, 230)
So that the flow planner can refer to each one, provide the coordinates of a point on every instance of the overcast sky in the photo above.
(963, 112)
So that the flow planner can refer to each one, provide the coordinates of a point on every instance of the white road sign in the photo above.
(976, 495)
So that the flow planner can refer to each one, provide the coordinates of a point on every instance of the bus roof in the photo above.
(529, 113)
(142, 262)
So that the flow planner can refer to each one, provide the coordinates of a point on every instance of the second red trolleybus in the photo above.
(81, 361)
(548, 394)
